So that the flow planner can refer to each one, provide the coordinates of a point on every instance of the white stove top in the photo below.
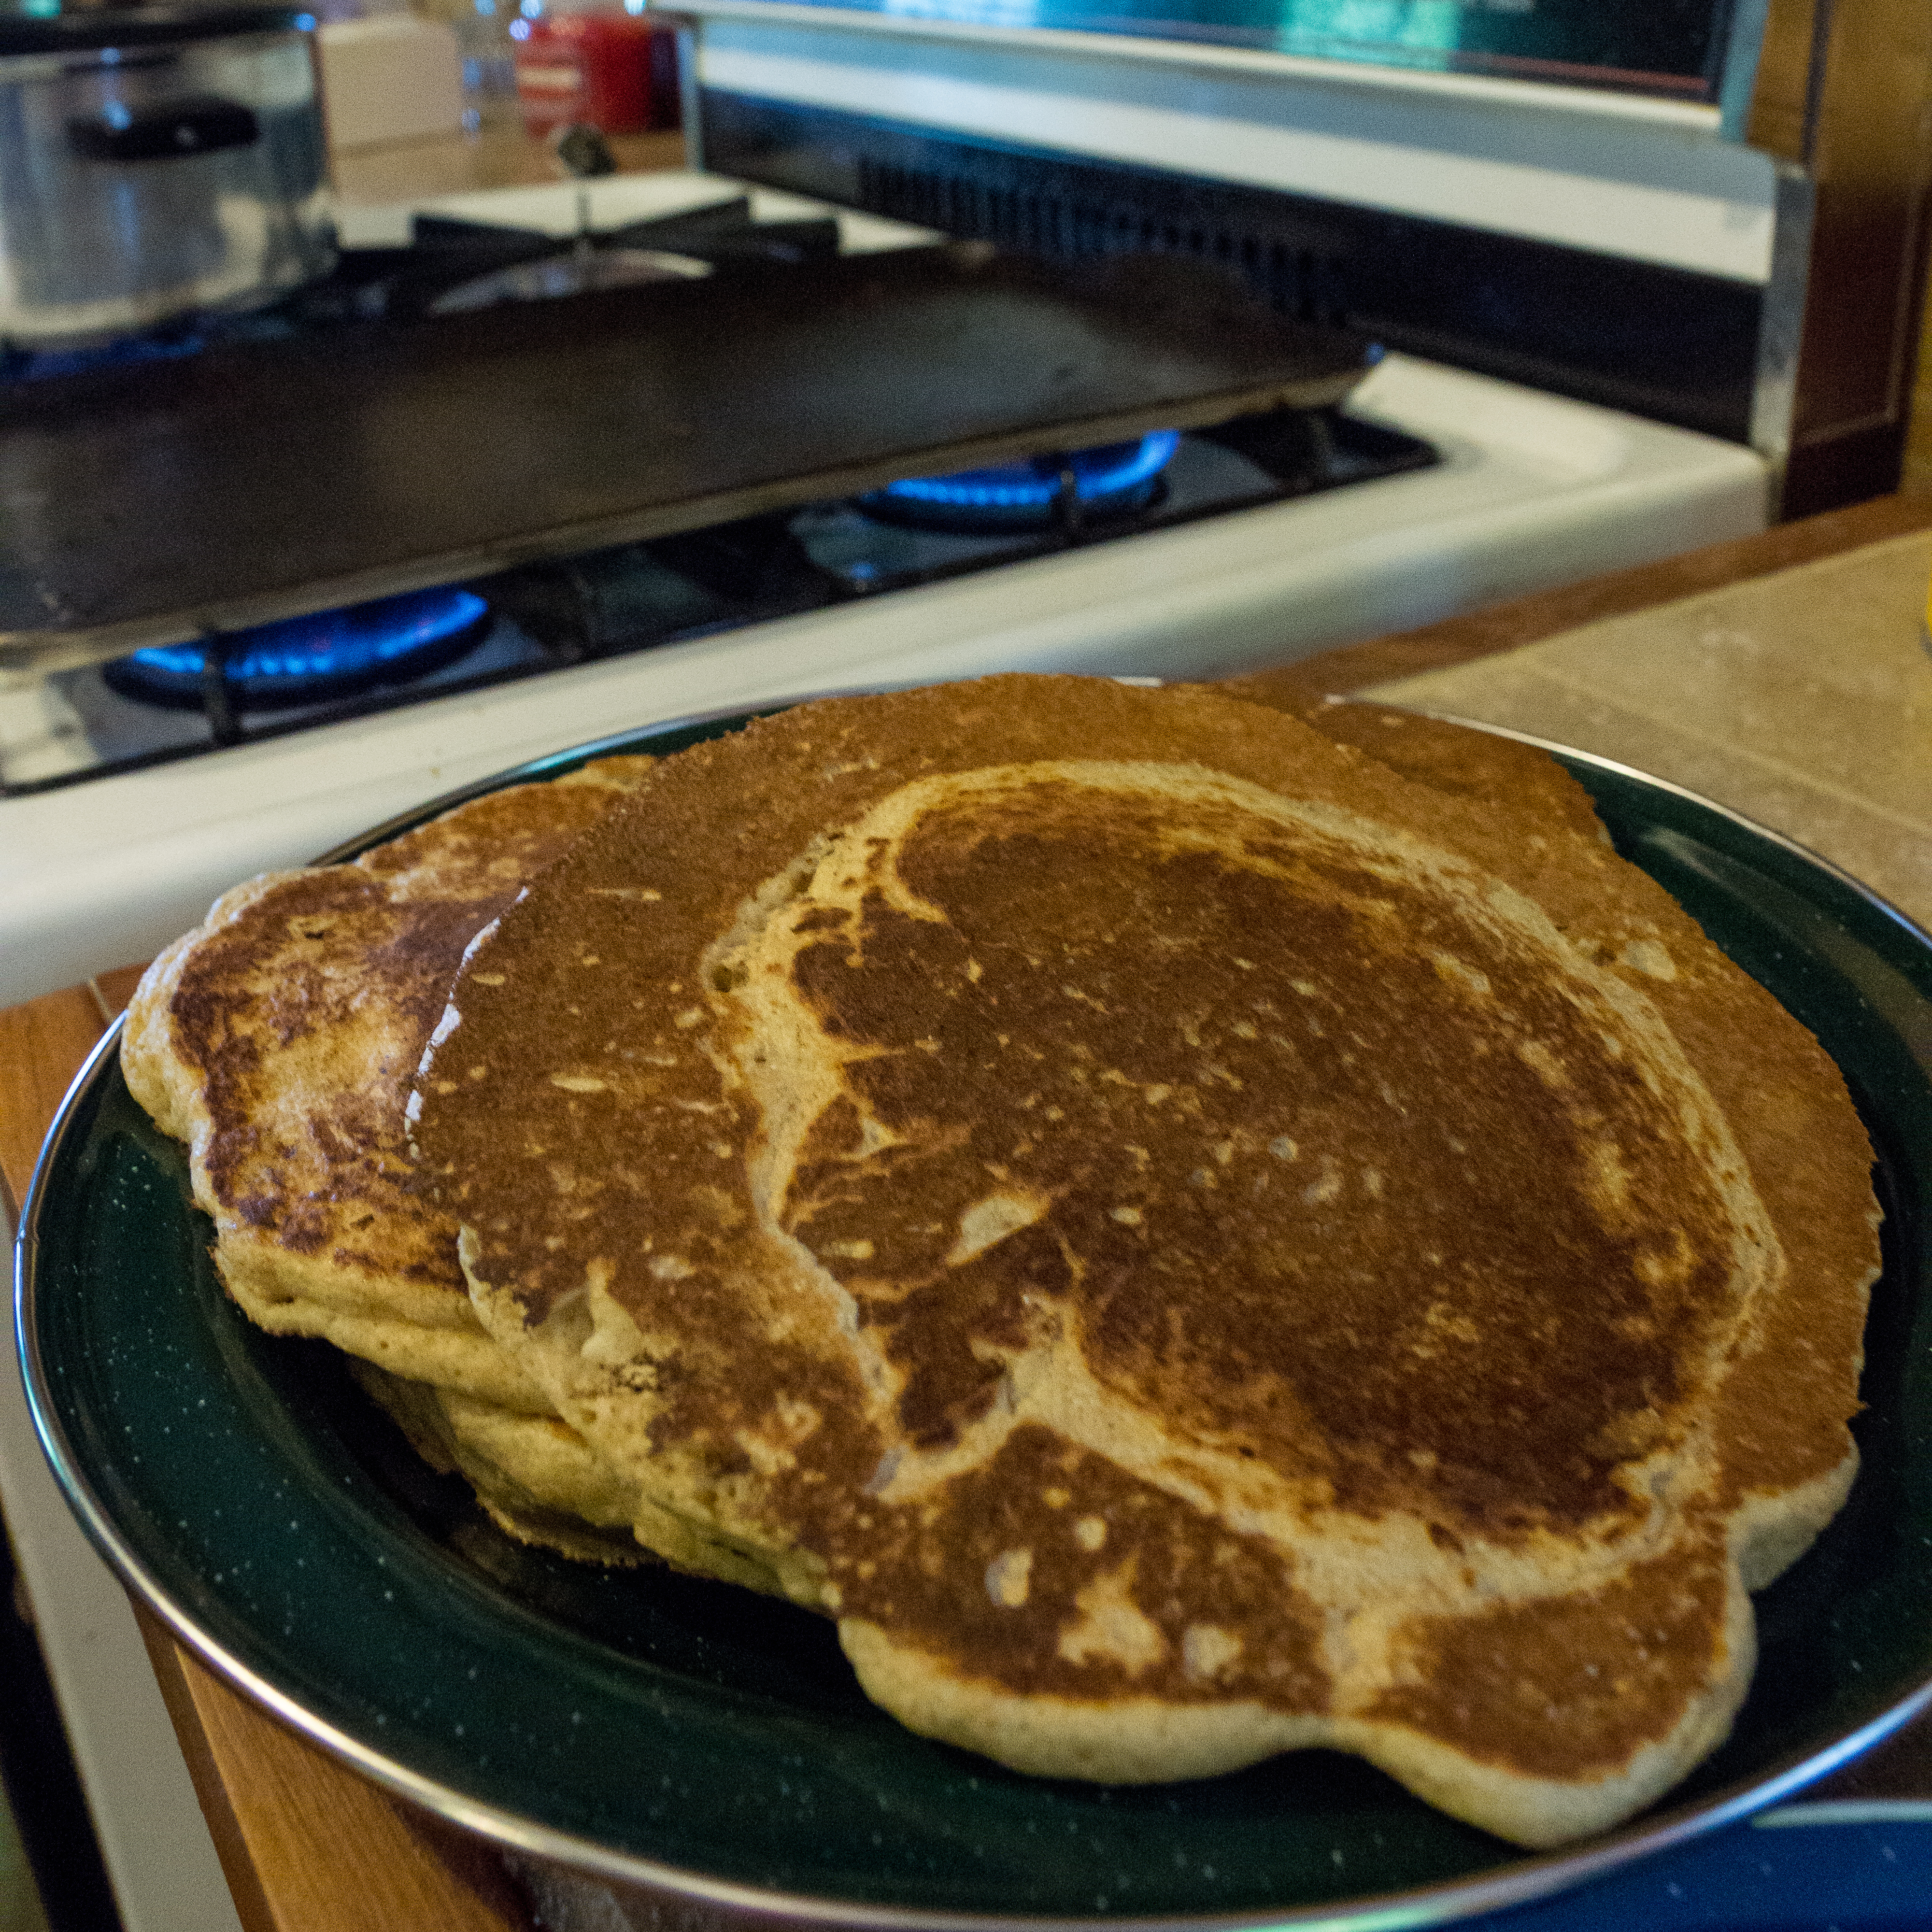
(1533, 490)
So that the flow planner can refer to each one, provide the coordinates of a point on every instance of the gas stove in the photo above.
(132, 792)
(337, 665)
(319, 666)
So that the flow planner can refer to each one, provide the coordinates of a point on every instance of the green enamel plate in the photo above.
(685, 1735)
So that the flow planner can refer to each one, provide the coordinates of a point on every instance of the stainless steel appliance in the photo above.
(155, 163)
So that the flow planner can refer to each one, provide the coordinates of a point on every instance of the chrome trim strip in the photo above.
(1738, 78)
(1522, 1881)
(1781, 324)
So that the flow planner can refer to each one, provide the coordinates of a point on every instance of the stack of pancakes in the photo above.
(279, 1040)
(1187, 1241)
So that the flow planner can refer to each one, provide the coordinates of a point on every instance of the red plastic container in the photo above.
(617, 71)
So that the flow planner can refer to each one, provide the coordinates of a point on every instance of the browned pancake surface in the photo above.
(1479, 766)
(1164, 1195)
(1308, 1204)
(280, 1039)
(315, 948)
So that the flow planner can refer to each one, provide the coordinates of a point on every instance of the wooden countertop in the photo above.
(308, 1845)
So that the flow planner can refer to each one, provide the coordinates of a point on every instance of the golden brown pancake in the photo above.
(1466, 761)
(1188, 1244)
(1516, 779)
(278, 1040)
(535, 1476)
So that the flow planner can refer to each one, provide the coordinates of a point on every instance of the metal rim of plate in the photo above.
(1519, 1881)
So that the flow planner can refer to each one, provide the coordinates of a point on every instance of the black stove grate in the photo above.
(448, 256)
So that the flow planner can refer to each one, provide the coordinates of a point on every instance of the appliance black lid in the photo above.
(90, 29)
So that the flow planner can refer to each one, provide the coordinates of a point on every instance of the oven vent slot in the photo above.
(1301, 283)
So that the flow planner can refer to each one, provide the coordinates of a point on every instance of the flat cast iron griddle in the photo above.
(162, 502)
